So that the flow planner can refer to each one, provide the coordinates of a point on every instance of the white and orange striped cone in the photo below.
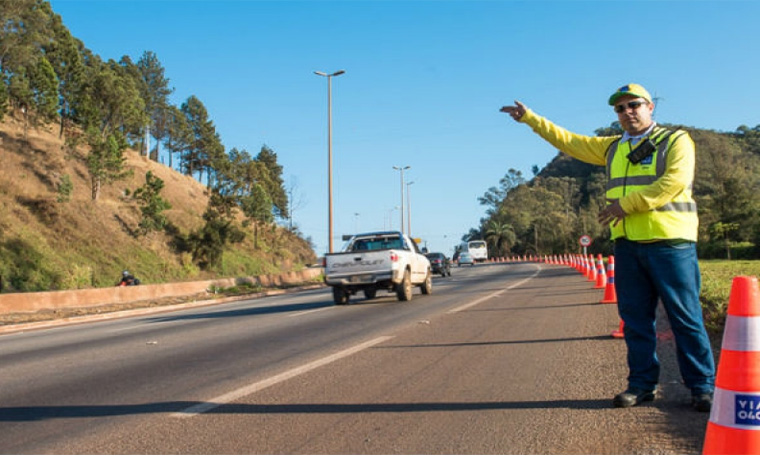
(601, 276)
(591, 271)
(582, 268)
(610, 296)
(734, 426)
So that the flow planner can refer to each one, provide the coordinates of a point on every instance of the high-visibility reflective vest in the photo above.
(676, 219)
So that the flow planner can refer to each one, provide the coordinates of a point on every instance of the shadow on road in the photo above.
(41, 413)
(241, 312)
(498, 343)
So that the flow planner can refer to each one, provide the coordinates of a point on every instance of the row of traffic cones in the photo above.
(594, 271)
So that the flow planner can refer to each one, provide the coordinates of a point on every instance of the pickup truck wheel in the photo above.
(370, 292)
(404, 290)
(340, 296)
(427, 286)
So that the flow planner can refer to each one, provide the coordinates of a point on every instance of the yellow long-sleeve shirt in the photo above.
(678, 177)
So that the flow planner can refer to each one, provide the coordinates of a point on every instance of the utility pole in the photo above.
(401, 170)
(329, 154)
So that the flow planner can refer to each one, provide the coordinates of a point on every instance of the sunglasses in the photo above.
(629, 105)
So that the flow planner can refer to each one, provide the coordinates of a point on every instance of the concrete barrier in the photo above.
(81, 298)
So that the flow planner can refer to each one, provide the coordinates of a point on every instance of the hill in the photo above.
(48, 244)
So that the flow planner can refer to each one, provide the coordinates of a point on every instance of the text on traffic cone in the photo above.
(734, 425)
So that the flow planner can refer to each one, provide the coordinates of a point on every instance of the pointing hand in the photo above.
(517, 111)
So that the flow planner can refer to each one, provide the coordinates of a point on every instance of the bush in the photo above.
(717, 250)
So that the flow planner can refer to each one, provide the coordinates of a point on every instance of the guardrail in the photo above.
(85, 298)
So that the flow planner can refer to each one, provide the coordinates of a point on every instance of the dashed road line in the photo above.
(255, 387)
(494, 294)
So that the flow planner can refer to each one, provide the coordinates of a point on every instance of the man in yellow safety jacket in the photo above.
(653, 221)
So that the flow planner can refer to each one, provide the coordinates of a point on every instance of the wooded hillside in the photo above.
(102, 171)
(51, 239)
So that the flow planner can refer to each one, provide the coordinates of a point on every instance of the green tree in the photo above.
(44, 91)
(3, 99)
(549, 217)
(155, 94)
(274, 185)
(501, 236)
(66, 57)
(152, 205)
(214, 151)
(24, 33)
(21, 94)
(178, 135)
(726, 187)
(110, 108)
(65, 188)
(207, 244)
(204, 149)
(494, 197)
(721, 231)
(244, 180)
(105, 162)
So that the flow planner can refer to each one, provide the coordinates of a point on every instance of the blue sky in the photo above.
(423, 86)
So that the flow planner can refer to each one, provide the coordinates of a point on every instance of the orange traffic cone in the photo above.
(619, 332)
(601, 276)
(734, 426)
(610, 296)
(591, 272)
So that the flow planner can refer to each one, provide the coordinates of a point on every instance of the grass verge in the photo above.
(717, 278)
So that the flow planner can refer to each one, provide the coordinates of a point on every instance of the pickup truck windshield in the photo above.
(370, 244)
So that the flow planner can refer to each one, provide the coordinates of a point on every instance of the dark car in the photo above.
(439, 263)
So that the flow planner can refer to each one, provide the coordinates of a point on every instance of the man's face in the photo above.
(634, 114)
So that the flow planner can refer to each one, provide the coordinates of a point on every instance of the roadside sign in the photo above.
(585, 241)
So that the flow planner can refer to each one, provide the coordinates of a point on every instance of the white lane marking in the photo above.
(255, 387)
(495, 294)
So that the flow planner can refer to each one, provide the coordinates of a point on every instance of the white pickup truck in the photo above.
(378, 260)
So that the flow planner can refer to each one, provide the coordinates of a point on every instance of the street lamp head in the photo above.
(323, 74)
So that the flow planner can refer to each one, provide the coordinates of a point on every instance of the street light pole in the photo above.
(409, 208)
(401, 170)
(329, 154)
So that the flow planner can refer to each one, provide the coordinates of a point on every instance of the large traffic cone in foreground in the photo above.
(734, 426)
(610, 296)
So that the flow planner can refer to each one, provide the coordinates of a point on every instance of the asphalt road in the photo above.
(501, 359)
